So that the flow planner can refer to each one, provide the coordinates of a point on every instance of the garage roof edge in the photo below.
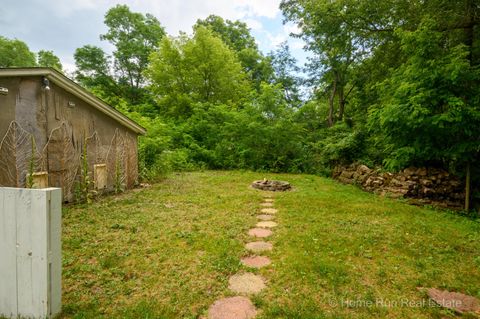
(77, 90)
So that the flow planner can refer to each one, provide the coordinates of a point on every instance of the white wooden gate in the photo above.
(30, 252)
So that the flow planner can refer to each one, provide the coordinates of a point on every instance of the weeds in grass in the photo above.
(132, 256)
(119, 187)
(31, 165)
(85, 187)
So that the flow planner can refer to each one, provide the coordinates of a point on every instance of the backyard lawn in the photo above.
(168, 251)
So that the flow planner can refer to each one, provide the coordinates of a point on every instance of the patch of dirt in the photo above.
(256, 261)
(260, 232)
(455, 300)
(266, 204)
(269, 211)
(267, 224)
(246, 283)
(265, 217)
(268, 200)
(259, 246)
(232, 308)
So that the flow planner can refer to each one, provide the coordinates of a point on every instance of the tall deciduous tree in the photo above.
(414, 66)
(430, 108)
(135, 36)
(15, 53)
(198, 69)
(93, 69)
(330, 37)
(286, 73)
(237, 36)
(49, 59)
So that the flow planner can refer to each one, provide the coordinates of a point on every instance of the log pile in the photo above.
(423, 185)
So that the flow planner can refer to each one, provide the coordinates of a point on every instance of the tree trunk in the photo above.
(331, 102)
(469, 25)
(467, 188)
(469, 42)
(341, 102)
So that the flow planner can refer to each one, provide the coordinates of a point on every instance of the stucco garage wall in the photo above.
(63, 128)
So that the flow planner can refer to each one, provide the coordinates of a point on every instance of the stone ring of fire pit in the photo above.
(273, 186)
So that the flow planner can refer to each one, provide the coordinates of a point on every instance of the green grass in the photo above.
(167, 251)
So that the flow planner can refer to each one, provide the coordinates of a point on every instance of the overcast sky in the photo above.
(64, 25)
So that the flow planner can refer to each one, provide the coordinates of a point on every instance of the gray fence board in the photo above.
(30, 265)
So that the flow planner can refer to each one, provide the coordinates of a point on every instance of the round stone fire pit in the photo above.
(273, 186)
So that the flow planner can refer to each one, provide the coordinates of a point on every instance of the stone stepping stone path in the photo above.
(232, 308)
(256, 261)
(271, 211)
(260, 232)
(247, 283)
(266, 224)
(259, 246)
(265, 217)
(455, 301)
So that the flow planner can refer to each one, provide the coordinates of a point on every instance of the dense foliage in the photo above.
(404, 75)
(16, 53)
(392, 84)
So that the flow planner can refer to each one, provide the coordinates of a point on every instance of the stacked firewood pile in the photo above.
(428, 185)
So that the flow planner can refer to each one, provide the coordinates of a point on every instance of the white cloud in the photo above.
(68, 67)
(291, 28)
(260, 8)
(62, 9)
(276, 39)
(63, 26)
(297, 44)
(253, 24)
(181, 15)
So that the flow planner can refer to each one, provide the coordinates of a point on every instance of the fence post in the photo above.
(30, 252)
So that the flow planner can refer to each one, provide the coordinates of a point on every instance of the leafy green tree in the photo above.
(334, 45)
(345, 34)
(201, 69)
(93, 70)
(237, 36)
(15, 53)
(135, 36)
(409, 68)
(430, 107)
(286, 73)
(49, 59)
